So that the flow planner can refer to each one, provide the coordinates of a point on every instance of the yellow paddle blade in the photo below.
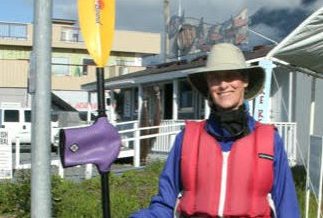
(96, 19)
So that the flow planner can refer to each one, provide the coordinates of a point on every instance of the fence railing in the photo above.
(288, 133)
(132, 137)
(169, 128)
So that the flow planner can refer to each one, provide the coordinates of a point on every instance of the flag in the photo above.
(241, 35)
(185, 38)
(214, 34)
(241, 19)
(227, 31)
(174, 25)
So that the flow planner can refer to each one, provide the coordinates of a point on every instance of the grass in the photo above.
(299, 175)
(128, 192)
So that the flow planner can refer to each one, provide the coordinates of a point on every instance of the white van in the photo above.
(18, 123)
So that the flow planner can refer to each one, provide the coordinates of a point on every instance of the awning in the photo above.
(303, 48)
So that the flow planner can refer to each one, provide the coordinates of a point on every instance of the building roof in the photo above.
(167, 71)
(60, 104)
(303, 47)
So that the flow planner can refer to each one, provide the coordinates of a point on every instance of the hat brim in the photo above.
(256, 75)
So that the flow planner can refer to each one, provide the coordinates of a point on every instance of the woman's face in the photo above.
(227, 89)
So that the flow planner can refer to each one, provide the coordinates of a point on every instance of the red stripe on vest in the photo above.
(249, 178)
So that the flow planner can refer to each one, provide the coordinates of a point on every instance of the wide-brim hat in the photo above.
(227, 57)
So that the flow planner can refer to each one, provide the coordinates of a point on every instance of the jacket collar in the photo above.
(213, 128)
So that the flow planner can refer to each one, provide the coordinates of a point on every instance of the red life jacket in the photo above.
(249, 173)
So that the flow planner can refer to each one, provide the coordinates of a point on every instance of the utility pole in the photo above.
(166, 21)
(179, 8)
(40, 155)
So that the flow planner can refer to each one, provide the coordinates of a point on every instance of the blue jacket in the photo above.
(283, 192)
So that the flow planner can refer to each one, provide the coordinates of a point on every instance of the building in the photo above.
(288, 98)
(71, 64)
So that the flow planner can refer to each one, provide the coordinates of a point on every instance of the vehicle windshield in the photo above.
(28, 116)
(11, 116)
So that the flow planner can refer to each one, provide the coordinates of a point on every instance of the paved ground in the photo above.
(78, 173)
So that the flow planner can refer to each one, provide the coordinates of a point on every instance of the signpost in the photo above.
(315, 167)
(41, 202)
(5, 155)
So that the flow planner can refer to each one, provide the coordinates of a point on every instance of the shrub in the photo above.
(14, 196)
(129, 192)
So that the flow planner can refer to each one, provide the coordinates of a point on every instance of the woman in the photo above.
(229, 165)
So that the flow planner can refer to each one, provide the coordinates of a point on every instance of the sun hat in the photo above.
(225, 57)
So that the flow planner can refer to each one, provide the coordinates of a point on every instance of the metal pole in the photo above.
(166, 20)
(100, 91)
(179, 8)
(101, 113)
(40, 170)
(175, 99)
(137, 126)
(290, 98)
(311, 132)
(105, 195)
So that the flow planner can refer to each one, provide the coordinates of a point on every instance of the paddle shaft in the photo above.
(105, 195)
(101, 112)
(100, 91)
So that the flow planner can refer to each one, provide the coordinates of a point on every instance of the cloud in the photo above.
(313, 4)
(63, 9)
(255, 5)
(273, 18)
(278, 23)
(141, 15)
(213, 11)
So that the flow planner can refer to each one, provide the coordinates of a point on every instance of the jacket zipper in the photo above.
(223, 188)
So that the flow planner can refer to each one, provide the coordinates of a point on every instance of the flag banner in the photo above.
(262, 106)
(189, 35)
(315, 164)
(241, 19)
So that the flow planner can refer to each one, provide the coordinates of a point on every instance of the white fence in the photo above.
(288, 132)
(163, 142)
(169, 128)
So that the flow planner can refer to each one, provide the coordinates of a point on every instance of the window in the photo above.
(60, 66)
(186, 95)
(70, 35)
(86, 63)
(28, 116)
(11, 116)
(13, 30)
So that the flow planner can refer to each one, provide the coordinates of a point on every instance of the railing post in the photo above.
(17, 162)
(88, 171)
(175, 99)
(60, 169)
(207, 109)
(136, 159)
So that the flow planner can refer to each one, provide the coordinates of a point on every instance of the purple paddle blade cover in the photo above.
(97, 144)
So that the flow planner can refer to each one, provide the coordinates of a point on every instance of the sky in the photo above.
(272, 18)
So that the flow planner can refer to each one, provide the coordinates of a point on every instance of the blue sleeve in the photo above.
(283, 193)
(162, 205)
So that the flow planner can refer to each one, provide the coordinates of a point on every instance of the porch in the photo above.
(164, 139)
(161, 141)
